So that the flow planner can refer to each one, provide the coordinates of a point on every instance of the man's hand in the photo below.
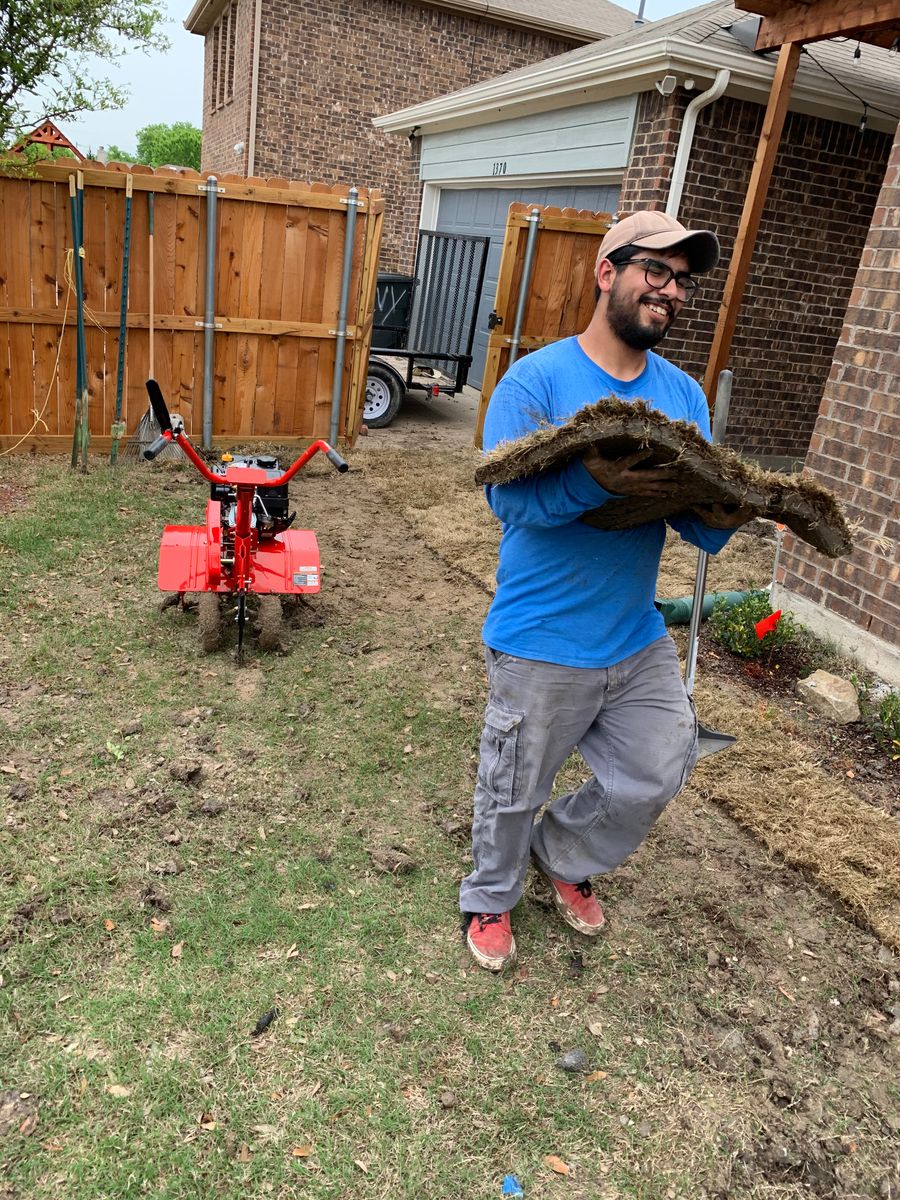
(624, 476)
(723, 516)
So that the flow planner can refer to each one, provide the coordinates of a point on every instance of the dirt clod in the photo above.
(189, 773)
(168, 867)
(392, 860)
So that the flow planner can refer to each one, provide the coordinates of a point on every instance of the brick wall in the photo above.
(326, 68)
(226, 126)
(855, 448)
(823, 192)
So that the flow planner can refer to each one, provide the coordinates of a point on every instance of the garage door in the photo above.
(484, 211)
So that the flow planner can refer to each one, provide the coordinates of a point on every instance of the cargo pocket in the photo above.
(499, 765)
(692, 754)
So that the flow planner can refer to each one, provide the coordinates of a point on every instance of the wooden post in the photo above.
(773, 123)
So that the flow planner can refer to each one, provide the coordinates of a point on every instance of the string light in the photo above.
(862, 119)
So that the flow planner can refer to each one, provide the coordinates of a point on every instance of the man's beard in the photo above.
(623, 317)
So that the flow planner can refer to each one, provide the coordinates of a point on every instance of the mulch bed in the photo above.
(849, 751)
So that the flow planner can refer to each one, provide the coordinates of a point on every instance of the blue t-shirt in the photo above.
(568, 593)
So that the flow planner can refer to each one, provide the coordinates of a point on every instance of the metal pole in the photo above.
(337, 385)
(720, 421)
(534, 217)
(209, 312)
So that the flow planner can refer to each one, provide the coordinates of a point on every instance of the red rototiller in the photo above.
(246, 547)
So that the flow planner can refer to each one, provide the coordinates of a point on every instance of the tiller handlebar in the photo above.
(175, 433)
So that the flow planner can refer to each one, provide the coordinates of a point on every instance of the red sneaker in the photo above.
(576, 904)
(490, 940)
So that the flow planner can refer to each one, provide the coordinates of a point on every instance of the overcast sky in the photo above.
(169, 87)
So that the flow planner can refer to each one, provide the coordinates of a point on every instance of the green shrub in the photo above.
(887, 724)
(735, 627)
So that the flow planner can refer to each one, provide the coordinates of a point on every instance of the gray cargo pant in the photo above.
(635, 727)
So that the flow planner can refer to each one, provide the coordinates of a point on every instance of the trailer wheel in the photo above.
(384, 396)
(269, 618)
(209, 617)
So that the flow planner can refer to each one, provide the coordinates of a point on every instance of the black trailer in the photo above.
(424, 324)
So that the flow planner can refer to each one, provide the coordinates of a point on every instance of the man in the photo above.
(577, 654)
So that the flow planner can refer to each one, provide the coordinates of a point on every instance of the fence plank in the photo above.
(364, 313)
(305, 393)
(48, 286)
(228, 295)
(45, 415)
(295, 261)
(287, 352)
(188, 271)
(18, 270)
(265, 416)
(273, 261)
(312, 306)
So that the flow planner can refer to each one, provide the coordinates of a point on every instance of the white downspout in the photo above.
(254, 89)
(686, 139)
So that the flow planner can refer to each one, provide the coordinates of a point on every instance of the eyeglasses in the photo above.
(658, 275)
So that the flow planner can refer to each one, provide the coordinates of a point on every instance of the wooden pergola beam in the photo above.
(766, 151)
(800, 22)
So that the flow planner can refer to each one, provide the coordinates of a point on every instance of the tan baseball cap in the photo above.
(658, 231)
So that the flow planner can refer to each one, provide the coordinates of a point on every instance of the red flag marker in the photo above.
(767, 624)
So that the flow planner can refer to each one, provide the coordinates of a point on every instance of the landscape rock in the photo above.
(830, 696)
(574, 1061)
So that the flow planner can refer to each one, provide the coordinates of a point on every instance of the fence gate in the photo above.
(448, 280)
(559, 293)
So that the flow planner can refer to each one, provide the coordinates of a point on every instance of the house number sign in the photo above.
(498, 168)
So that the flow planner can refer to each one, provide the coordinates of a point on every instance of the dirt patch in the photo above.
(11, 498)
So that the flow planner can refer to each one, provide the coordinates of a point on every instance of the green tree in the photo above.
(116, 154)
(47, 53)
(38, 152)
(175, 145)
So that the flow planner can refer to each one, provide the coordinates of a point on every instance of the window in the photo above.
(224, 34)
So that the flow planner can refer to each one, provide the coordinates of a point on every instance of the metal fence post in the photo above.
(534, 217)
(209, 313)
(337, 385)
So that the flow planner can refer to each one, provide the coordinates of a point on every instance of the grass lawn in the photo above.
(187, 847)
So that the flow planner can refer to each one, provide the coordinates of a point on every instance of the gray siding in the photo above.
(588, 137)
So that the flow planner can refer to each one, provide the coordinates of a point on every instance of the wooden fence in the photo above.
(279, 255)
(560, 299)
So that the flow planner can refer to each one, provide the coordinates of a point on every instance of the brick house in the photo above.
(291, 86)
(632, 92)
